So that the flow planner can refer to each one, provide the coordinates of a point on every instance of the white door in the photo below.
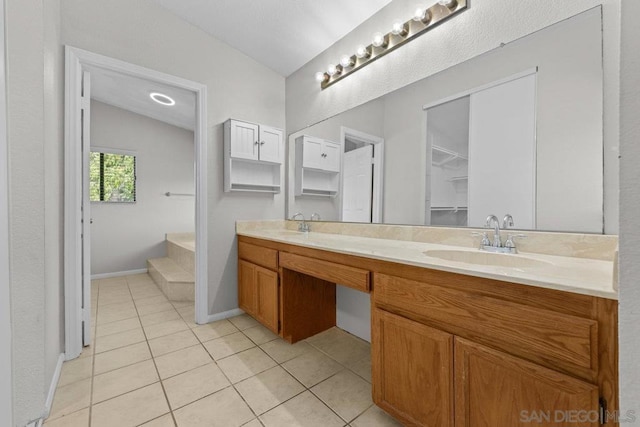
(245, 140)
(312, 153)
(331, 152)
(502, 147)
(86, 209)
(271, 146)
(6, 389)
(357, 185)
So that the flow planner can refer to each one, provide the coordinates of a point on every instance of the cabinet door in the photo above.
(267, 291)
(331, 152)
(244, 140)
(247, 287)
(312, 153)
(271, 146)
(496, 389)
(412, 370)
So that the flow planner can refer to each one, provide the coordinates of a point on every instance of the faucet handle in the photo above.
(510, 243)
(485, 238)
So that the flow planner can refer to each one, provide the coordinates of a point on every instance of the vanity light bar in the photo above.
(382, 44)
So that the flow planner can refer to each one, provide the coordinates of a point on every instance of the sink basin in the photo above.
(487, 258)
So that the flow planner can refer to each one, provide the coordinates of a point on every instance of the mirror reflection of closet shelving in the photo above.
(317, 167)
(448, 136)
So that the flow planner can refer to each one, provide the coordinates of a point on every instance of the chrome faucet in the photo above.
(315, 215)
(302, 226)
(492, 219)
(496, 245)
(507, 221)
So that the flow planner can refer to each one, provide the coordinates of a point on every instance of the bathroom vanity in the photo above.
(453, 342)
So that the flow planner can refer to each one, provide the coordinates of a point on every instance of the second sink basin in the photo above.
(487, 258)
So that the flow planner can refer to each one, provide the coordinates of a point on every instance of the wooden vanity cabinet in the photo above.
(443, 355)
(496, 389)
(258, 286)
(448, 349)
(412, 370)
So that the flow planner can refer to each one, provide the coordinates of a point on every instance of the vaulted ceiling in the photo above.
(281, 34)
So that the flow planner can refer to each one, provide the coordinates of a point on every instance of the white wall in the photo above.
(142, 33)
(35, 149)
(125, 235)
(6, 386)
(629, 314)
(475, 33)
(54, 188)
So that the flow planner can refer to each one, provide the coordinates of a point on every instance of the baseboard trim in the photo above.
(52, 388)
(224, 315)
(118, 274)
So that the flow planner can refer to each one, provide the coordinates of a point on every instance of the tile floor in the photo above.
(151, 365)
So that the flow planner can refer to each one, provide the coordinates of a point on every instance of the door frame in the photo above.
(378, 169)
(75, 62)
(6, 347)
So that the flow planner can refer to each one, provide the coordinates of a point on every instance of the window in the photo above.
(112, 177)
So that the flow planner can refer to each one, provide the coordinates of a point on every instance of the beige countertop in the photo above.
(578, 275)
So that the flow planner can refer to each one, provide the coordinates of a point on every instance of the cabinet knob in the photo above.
(256, 143)
(261, 142)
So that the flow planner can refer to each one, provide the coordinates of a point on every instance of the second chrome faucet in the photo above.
(495, 245)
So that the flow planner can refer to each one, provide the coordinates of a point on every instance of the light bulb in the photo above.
(332, 70)
(379, 40)
(346, 61)
(419, 13)
(362, 52)
(398, 28)
(451, 4)
(320, 76)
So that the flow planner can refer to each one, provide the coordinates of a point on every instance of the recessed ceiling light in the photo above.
(162, 99)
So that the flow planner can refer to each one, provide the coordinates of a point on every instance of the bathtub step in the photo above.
(175, 282)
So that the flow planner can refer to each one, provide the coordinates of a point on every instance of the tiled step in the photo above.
(184, 257)
(176, 283)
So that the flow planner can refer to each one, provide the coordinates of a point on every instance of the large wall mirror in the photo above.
(517, 130)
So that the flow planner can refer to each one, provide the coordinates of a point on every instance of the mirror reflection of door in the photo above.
(483, 155)
(357, 182)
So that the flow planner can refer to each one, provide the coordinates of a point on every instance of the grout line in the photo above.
(156, 366)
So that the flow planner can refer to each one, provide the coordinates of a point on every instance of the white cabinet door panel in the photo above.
(312, 153)
(331, 157)
(244, 140)
(271, 146)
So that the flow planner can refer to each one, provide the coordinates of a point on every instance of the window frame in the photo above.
(121, 152)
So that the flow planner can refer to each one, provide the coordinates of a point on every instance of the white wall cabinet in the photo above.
(318, 163)
(253, 156)
(320, 154)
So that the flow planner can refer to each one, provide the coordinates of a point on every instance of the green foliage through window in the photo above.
(112, 177)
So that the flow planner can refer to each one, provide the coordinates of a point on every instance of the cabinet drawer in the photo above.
(263, 257)
(352, 277)
(547, 337)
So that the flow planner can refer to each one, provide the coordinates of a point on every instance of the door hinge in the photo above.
(603, 410)
(85, 102)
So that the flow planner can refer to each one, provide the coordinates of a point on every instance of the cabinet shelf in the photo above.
(317, 167)
(449, 208)
(442, 156)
